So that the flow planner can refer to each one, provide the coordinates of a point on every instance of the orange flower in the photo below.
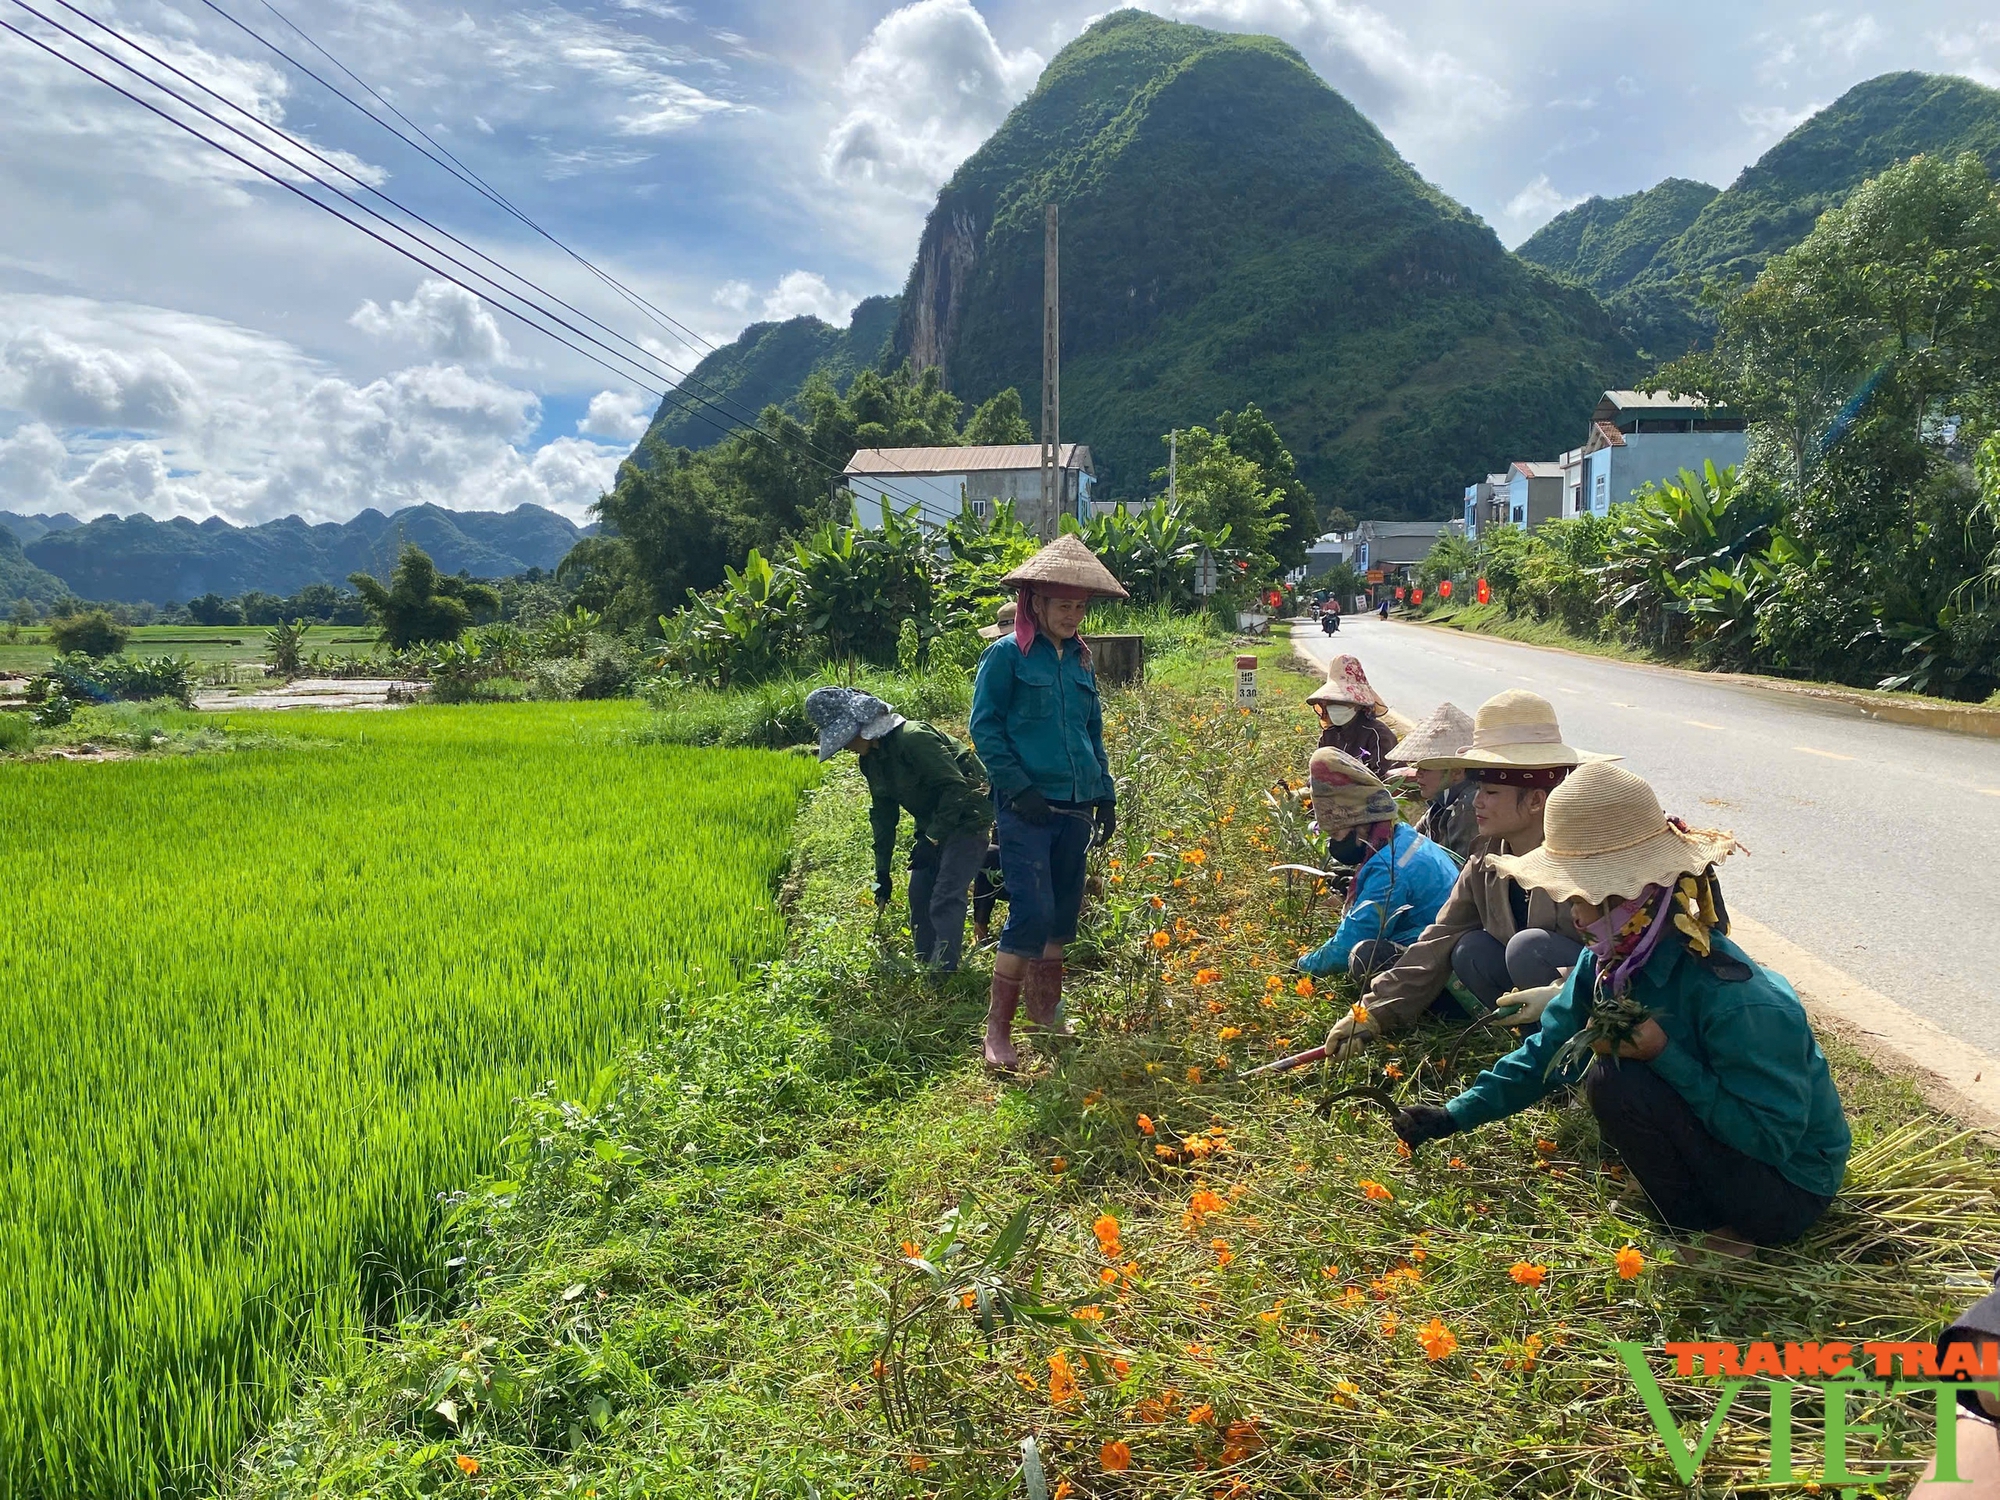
(1194, 1075)
(1165, 1153)
(1345, 1392)
(1145, 1124)
(1456, 1161)
(1156, 903)
(1358, 1013)
(1130, 1270)
(916, 1463)
(1273, 982)
(1201, 1415)
(1223, 1254)
(1629, 1262)
(1230, 1033)
(1207, 976)
(1526, 1273)
(968, 1299)
(1201, 1204)
(1389, 1326)
(1059, 1165)
(1241, 1441)
(1531, 1351)
(1303, 987)
(1439, 1341)
(1160, 939)
(1062, 1379)
(1107, 1276)
(1092, 1314)
(1092, 1099)
(1063, 1490)
(1121, 1368)
(1375, 1192)
(467, 1464)
(1194, 856)
(913, 1250)
(1276, 1311)
(1105, 1227)
(1215, 1007)
(1331, 1273)
(1199, 1148)
(1114, 1457)
(1393, 1070)
(1546, 1148)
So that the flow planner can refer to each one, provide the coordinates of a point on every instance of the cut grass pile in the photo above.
(264, 1008)
(764, 1263)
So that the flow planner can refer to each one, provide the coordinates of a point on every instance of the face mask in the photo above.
(1349, 849)
(1339, 713)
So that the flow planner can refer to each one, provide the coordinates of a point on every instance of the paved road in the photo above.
(1875, 846)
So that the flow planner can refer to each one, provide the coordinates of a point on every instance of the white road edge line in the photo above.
(1828, 754)
(1952, 1075)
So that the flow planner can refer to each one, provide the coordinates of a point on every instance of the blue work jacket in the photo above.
(1397, 893)
(1037, 722)
(1739, 1050)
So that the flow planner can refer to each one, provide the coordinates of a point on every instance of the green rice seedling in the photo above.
(265, 1008)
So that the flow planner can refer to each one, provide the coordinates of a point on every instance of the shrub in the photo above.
(283, 645)
(138, 679)
(92, 634)
(17, 731)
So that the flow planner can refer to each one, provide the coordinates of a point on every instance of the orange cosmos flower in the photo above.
(1527, 1274)
(1629, 1262)
(968, 1299)
(1105, 1227)
(1393, 1070)
(1546, 1148)
(1273, 982)
(1358, 1013)
(1201, 1415)
(1439, 1341)
(1059, 1165)
(1165, 1153)
(1230, 1033)
(1345, 1392)
(1194, 1075)
(1114, 1457)
(1207, 976)
(1241, 1441)
(1194, 856)
(1223, 1254)
(1156, 903)
(1092, 1314)
(917, 1463)
(1331, 1273)
(1303, 987)
(913, 1250)
(1389, 1326)
(1160, 939)
(1107, 1276)
(1063, 1490)
(1062, 1379)
(1375, 1192)
(467, 1464)
(1121, 1368)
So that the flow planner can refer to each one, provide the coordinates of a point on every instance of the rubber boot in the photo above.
(1000, 1053)
(1043, 995)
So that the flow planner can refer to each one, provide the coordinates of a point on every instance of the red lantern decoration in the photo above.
(1444, 589)
(1485, 594)
(1399, 594)
(1417, 597)
(1274, 598)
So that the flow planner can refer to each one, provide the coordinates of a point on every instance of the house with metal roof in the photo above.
(946, 483)
(1534, 493)
(1642, 437)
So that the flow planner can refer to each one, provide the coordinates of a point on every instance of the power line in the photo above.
(683, 398)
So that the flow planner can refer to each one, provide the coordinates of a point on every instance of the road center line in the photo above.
(1808, 750)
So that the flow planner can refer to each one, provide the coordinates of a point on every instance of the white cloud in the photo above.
(442, 320)
(1848, 39)
(620, 415)
(74, 386)
(734, 295)
(926, 88)
(1769, 122)
(1539, 202)
(800, 293)
(31, 467)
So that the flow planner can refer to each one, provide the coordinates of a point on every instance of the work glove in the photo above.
(883, 888)
(1105, 815)
(1351, 1038)
(1522, 1008)
(1417, 1123)
(1031, 807)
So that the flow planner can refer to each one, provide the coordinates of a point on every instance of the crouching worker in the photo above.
(1400, 880)
(1448, 819)
(909, 765)
(1039, 728)
(1719, 1101)
(1492, 938)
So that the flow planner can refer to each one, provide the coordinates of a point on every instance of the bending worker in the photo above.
(1719, 1100)
(1448, 819)
(1492, 936)
(1401, 878)
(909, 764)
(1038, 726)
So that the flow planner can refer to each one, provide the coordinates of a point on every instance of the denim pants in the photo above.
(1694, 1180)
(1043, 868)
(940, 881)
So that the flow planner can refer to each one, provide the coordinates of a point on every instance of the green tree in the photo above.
(94, 633)
(422, 604)
(213, 609)
(999, 420)
(1251, 435)
(1220, 488)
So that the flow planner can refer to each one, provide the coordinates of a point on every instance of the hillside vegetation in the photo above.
(1605, 242)
(1776, 200)
(21, 579)
(1234, 231)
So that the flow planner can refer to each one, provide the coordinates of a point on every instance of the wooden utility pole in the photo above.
(1050, 523)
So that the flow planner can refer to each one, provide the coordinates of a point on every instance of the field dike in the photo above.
(265, 1006)
(798, 1244)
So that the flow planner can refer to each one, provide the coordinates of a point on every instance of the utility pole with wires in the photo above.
(1173, 466)
(1049, 520)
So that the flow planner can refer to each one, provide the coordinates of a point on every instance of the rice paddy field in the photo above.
(267, 1008)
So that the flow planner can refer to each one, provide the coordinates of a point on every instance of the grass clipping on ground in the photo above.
(802, 1246)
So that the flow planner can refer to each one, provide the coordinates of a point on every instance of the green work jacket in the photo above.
(1037, 722)
(938, 780)
(1739, 1050)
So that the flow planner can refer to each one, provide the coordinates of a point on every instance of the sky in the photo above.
(182, 336)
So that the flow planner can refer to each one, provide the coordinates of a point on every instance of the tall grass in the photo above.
(264, 1008)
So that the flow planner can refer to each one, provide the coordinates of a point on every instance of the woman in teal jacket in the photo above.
(1719, 1100)
(1039, 729)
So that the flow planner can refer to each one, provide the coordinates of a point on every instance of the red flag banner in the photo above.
(1485, 594)
(1444, 589)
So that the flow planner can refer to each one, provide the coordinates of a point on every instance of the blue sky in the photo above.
(179, 337)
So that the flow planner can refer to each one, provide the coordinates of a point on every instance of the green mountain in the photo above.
(134, 558)
(21, 579)
(767, 366)
(1776, 200)
(1605, 242)
(1235, 231)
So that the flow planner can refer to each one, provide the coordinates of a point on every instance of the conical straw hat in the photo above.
(1516, 728)
(1447, 731)
(1605, 835)
(1068, 562)
(1346, 683)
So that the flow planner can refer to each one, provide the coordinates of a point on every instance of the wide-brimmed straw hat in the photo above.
(1445, 732)
(1003, 622)
(1067, 563)
(1345, 792)
(1515, 728)
(1604, 835)
(1346, 683)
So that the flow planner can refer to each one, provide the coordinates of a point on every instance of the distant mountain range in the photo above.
(136, 558)
(1649, 254)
